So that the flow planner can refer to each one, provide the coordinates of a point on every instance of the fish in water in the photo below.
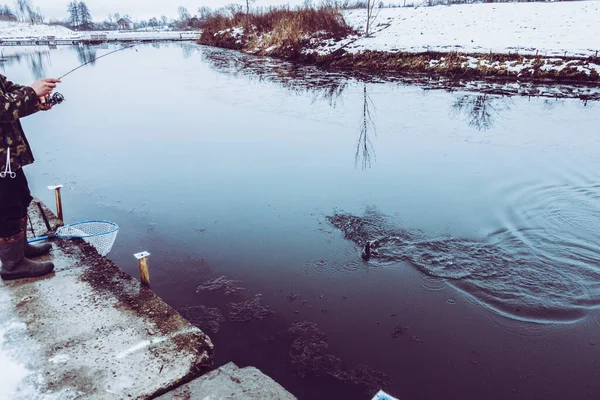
(369, 250)
(366, 254)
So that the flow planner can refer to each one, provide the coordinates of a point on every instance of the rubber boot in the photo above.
(32, 250)
(14, 263)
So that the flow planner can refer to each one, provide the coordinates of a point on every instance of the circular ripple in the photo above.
(433, 283)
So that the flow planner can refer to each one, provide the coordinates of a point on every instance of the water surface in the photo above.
(219, 164)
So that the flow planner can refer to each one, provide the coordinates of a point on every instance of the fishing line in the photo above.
(58, 98)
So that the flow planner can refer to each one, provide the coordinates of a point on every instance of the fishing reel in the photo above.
(56, 98)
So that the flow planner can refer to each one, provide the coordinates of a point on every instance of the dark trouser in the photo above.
(14, 200)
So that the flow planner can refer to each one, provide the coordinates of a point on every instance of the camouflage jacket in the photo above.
(16, 102)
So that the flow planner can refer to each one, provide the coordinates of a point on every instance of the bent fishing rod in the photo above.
(58, 98)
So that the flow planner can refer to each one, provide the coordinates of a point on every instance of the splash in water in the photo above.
(511, 281)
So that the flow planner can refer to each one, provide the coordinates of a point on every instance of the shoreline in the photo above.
(453, 65)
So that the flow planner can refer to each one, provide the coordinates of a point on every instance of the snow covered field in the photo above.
(20, 30)
(527, 28)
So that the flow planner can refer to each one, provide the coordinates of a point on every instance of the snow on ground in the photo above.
(526, 28)
(23, 31)
(20, 30)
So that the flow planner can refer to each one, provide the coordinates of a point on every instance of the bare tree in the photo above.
(184, 14)
(6, 14)
(248, 2)
(234, 8)
(25, 11)
(370, 17)
(204, 13)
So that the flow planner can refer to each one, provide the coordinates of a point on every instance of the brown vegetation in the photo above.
(281, 28)
(456, 64)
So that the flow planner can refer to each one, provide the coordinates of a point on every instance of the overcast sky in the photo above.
(138, 9)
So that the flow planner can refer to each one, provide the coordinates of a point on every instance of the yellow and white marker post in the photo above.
(144, 271)
(59, 208)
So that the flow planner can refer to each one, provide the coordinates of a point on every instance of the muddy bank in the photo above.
(487, 66)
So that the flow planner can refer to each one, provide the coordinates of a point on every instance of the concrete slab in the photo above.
(230, 382)
(89, 331)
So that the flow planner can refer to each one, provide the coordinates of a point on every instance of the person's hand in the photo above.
(44, 103)
(43, 87)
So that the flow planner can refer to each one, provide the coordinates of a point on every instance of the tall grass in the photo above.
(275, 26)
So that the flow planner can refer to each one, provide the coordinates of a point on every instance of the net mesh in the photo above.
(100, 234)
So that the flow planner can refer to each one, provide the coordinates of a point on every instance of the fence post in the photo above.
(59, 208)
(144, 272)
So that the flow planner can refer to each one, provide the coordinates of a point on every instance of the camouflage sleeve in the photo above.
(11, 87)
(18, 103)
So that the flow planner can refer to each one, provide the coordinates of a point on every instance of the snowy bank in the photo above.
(515, 41)
(547, 29)
(21, 30)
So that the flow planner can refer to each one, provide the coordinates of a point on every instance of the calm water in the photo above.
(487, 282)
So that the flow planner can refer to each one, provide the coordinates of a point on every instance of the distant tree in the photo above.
(204, 13)
(153, 22)
(85, 18)
(6, 14)
(25, 10)
(73, 10)
(234, 8)
(184, 14)
(164, 20)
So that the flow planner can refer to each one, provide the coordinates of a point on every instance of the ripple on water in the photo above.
(513, 280)
(433, 283)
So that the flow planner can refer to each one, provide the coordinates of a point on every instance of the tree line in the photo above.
(6, 14)
(79, 16)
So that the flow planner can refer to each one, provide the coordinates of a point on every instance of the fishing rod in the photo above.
(58, 98)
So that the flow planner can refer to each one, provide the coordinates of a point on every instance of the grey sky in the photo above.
(138, 9)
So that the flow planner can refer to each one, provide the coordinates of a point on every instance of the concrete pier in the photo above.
(90, 331)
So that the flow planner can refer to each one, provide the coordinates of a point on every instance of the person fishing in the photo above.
(17, 102)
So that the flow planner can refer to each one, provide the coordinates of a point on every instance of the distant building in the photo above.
(194, 22)
(125, 24)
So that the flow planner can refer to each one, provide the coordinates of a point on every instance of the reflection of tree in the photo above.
(549, 104)
(37, 65)
(187, 52)
(481, 110)
(323, 85)
(364, 148)
(86, 54)
(37, 62)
